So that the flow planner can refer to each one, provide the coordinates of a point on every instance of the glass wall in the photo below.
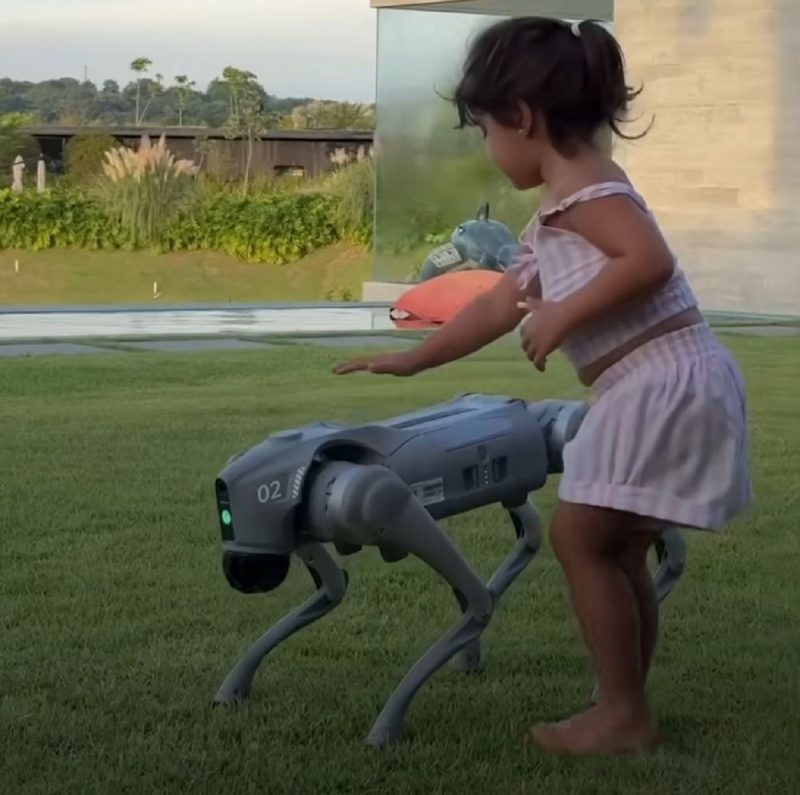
(430, 176)
(720, 166)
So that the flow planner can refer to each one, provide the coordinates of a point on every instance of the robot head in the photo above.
(254, 572)
(256, 496)
(247, 568)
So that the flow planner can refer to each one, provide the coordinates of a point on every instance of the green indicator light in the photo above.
(226, 517)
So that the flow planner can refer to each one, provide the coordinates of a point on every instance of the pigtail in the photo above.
(605, 75)
(572, 73)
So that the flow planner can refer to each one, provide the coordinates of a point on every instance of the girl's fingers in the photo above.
(350, 367)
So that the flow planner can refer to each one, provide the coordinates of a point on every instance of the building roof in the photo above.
(55, 131)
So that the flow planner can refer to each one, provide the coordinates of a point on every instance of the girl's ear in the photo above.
(527, 120)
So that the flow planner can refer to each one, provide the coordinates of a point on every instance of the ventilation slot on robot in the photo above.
(471, 478)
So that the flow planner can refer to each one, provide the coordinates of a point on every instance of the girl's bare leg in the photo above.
(634, 563)
(591, 545)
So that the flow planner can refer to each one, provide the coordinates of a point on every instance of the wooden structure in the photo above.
(303, 152)
(721, 165)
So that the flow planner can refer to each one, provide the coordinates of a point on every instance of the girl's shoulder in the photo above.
(595, 190)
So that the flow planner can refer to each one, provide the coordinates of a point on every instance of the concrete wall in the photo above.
(721, 166)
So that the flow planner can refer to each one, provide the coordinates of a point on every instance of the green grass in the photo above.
(119, 277)
(117, 625)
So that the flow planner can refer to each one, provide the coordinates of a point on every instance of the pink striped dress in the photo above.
(666, 433)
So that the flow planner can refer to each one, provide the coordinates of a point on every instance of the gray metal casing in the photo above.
(385, 485)
(456, 456)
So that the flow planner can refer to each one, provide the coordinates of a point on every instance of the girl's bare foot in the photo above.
(601, 730)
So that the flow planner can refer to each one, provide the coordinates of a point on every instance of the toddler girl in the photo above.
(664, 442)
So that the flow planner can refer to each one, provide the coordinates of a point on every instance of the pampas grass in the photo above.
(145, 188)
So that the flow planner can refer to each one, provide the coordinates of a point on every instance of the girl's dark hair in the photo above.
(577, 82)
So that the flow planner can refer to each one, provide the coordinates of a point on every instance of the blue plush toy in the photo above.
(482, 244)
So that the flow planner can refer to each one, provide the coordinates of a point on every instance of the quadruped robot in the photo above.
(386, 485)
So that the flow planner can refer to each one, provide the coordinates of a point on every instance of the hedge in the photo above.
(274, 229)
(54, 220)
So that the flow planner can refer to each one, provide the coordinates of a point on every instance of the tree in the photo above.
(112, 106)
(183, 92)
(139, 66)
(319, 115)
(14, 96)
(154, 89)
(57, 101)
(84, 154)
(77, 106)
(247, 117)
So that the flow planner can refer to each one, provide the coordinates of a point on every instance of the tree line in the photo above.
(234, 99)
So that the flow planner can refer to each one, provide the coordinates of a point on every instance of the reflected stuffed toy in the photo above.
(472, 262)
(480, 244)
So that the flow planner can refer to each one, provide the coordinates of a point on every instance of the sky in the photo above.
(316, 48)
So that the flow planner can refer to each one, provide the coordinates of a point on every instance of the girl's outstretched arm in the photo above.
(485, 319)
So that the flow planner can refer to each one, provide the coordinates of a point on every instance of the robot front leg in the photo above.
(331, 581)
(371, 506)
(463, 643)
(388, 726)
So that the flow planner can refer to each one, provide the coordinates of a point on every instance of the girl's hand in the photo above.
(403, 363)
(543, 330)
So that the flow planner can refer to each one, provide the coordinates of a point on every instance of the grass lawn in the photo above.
(119, 277)
(117, 624)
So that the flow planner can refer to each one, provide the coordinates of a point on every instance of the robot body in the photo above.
(386, 484)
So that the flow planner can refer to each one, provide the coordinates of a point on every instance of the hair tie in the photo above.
(576, 29)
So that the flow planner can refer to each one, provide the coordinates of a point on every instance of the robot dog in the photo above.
(386, 484)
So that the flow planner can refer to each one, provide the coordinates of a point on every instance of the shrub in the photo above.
(339, 294)
(353, 186)
(84, 155)
(55, 219)
(277, 229)
(336, 292)
(145, 190)
(273, 229)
